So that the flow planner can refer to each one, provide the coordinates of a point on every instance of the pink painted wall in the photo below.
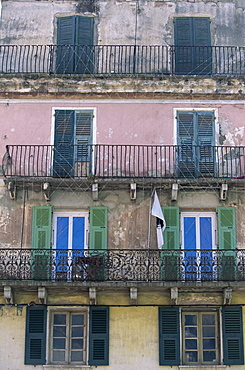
(118, 122)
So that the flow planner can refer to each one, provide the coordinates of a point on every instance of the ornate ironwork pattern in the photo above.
(122, 265)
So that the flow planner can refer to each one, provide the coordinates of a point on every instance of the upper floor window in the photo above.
(74, 40)
(193, 54)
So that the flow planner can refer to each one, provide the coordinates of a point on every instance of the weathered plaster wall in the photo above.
(121, 22)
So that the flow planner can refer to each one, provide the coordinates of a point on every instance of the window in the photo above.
(192, 243)
(67, 339)
(58, 258)
(201, 340)
(74, 40)
(196, 140)
(193, 54)
(73, 140)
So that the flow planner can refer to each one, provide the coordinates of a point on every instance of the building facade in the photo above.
(107, 108)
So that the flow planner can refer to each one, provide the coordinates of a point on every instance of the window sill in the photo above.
(68, 367)
(203, 367)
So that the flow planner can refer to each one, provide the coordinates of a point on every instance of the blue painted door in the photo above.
(198, 245)
(69, 243)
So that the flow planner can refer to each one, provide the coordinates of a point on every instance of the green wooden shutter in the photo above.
(99, 336)
(186, 153)
(35, 344)
(65, 41)
(63, 165)
(169, 336)
(98, 228)
(169, 257)
(205, 141)
(233, 336)
(41, 242)
(227, 243)
(84, 61)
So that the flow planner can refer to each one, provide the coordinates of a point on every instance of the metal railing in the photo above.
(122, 59)
(124, 161)
(122, 265)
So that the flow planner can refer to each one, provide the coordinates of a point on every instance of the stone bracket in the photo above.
(174, 295)
(42, 295)
(92, 296)
(227, 295)
(8, 295)
(133, 292)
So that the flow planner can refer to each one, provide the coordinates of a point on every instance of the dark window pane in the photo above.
(190, 332)
(77, 331)
(208, 319)
(190, 319)
(59, 331)
(208, 343)
(77, 319)
(191, 356)
(59, 356)
(59, 319)
(77, 344)
(209, 356)
(76, 356)
(191, 343)
(208, 331)
(59, 343)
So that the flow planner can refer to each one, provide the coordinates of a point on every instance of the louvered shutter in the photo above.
(205, 141)
(84, 38)
(192, 45)
(169, 258)
(83, 137)
(227, 243)
(64, 143)
(65, 40)
(35, 344)
(99, 336)
(41, 242)
(98, 228)
(186, 151)
(233, 336)
(169, 336)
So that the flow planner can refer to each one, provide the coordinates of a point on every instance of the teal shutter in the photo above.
(83, 137)
(186, 144)
(35, 344)
(193, 53)
(64, 143)
(205, 141)
(227, 243)
(233, 336)
(169, 257)
(169, 336)
(98, 228)
(65, 45)
(99, 336)
(41, 242)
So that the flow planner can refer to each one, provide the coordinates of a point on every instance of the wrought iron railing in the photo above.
(123, 265)
(124, 161)
(122, 59)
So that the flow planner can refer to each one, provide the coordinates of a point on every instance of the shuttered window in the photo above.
(74, 40)
(169, 336)
(35, 345)
(233, 336)
(196, 139)
(98, 228)
(72, 143)
(99, 336)
(193, 54)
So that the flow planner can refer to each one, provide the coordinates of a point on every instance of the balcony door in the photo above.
(198, 243)
(69, 242)
(72, 143)
(196, 139)
(193, 53)
(74, 45)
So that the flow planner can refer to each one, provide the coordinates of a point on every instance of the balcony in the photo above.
(136, 265)
(122, 60)
(104, 161)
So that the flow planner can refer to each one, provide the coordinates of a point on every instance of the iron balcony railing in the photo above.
(151, 265)
(122, 59)
(124, 161)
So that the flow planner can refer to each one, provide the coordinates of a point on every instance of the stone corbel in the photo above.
(174, 295)
(8, 295)
(227, 295)
(92, 296)
(42, 295)
(47, 191)
(133, 295)
(12, 190)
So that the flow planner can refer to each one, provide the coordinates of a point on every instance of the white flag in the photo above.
(161, 223)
